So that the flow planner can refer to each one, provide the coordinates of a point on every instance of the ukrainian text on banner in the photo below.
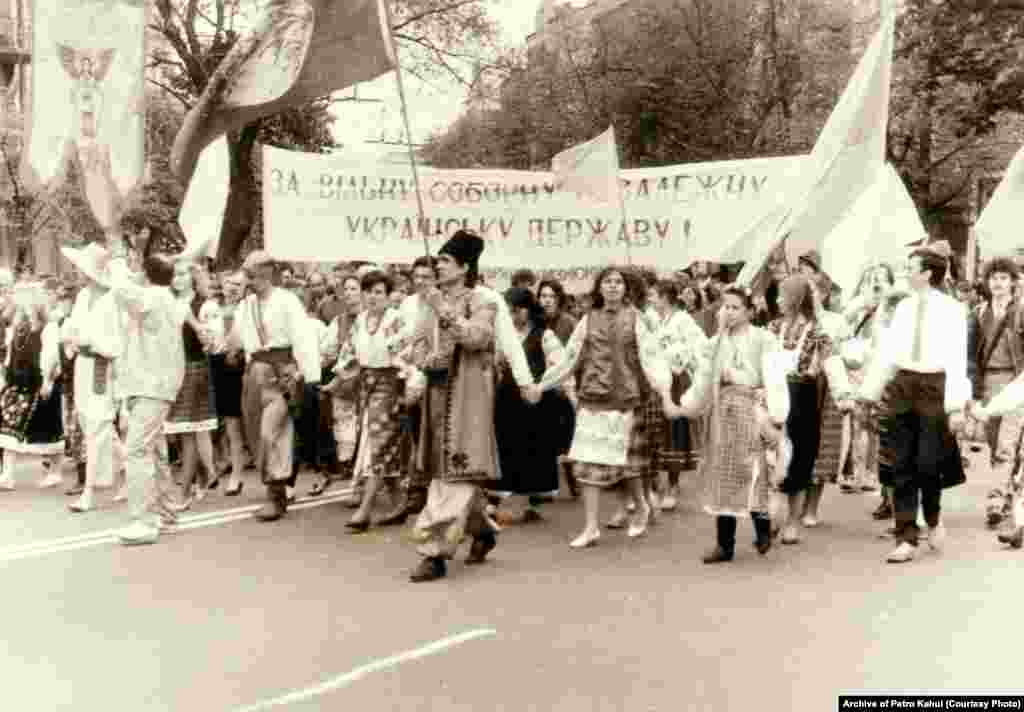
(340, 207)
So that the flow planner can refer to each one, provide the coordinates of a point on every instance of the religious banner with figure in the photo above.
(342, 206)
(88, 103)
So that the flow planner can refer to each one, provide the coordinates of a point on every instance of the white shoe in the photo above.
(810, 522)
(670, 502)
(122, 494)
(902, 554)
(83, 504)
(618, 520)
(936, 537)
(6, 484)
(139, 533)
(585, 540)
(53, 479)
(631, 507)
(639, 528)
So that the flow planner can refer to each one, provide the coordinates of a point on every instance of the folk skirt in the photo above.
(195, 409)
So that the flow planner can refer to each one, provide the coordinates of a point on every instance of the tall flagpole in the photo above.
(408, 131)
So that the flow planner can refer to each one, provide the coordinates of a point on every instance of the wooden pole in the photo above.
(408, 132)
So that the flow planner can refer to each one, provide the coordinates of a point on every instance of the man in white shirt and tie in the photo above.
(922, 367)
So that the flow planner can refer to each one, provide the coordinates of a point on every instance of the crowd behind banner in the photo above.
(356, 410)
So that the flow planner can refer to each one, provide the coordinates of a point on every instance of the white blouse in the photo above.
(682, 341)
(378, 348)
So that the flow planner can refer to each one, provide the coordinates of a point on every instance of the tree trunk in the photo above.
(240, 212)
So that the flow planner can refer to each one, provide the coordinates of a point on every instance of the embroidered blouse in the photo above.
(817, 354)
(652, 358)
(682, 340)
(374, 345)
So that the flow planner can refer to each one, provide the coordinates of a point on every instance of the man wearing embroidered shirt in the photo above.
(922, 366)
(150, 372)
(282, 351)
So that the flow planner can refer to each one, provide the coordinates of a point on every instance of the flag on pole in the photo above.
(88, 103)
(202, 212)
(879, 228)
(591, 169)
(846, 158)
(998, 227)
(298, 50)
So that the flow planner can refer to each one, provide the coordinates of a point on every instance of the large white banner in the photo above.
(338, 207)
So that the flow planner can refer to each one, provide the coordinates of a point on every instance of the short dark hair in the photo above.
(524, 278)
(159, 269)
(692, 286)
(374, 277)
(1004, 265)
(932, 260)
(425, 261)
(555, 286)
(668, 290)
(745, 296)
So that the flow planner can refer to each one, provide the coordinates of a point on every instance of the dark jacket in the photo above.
(978, 348)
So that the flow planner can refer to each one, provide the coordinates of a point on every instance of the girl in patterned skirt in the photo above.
(741, 386)
(193, 415)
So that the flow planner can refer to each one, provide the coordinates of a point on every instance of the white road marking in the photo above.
(371, 667)
(194, 521)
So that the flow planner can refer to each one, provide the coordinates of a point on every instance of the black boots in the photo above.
(482, 546)
(430, 569)
(277, 503)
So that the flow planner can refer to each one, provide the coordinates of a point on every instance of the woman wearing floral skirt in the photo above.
(375, 343)
(31, 418)
(741, 385)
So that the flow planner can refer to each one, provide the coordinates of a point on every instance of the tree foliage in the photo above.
(437, 39)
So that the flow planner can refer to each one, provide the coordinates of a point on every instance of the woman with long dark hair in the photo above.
(620, 364)
(809, 351)
(553, 302)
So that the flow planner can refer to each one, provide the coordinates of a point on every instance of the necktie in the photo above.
(918, 329)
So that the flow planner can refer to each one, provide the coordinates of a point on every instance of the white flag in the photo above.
(202, 212)
(846, 159)
(591, 169)
(999, 226)
(879, 228)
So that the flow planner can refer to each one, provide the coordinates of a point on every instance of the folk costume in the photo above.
(31, 419)
(922, 368)
(455, 347)
(195, 408)
(529, 437)
(281, 352)
(97, 334)
(683, 342)
(834, 447)
(620, 366)
(344, 397)
(741, 387)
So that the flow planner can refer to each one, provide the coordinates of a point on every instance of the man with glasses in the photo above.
(922, 367)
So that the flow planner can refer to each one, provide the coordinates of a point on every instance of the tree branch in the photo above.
(433, 11)
(184, 98)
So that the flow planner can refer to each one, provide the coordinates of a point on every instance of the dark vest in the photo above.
(611, 375)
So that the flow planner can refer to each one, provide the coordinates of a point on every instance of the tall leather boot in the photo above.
(277, 503)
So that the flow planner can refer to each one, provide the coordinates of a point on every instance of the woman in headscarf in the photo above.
(742, 386)
(31, 421)
(809, 351)
(682, 341)
(616, 351)
(529, 437)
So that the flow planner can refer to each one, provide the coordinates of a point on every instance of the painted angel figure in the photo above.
(86, 69)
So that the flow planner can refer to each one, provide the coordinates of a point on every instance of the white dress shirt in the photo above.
(943, 347)
(285, 325)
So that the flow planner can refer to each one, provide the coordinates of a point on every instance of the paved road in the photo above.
(222, 618)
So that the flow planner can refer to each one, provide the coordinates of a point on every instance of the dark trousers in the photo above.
(914, 447)
(726, 527)
(412, 420)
